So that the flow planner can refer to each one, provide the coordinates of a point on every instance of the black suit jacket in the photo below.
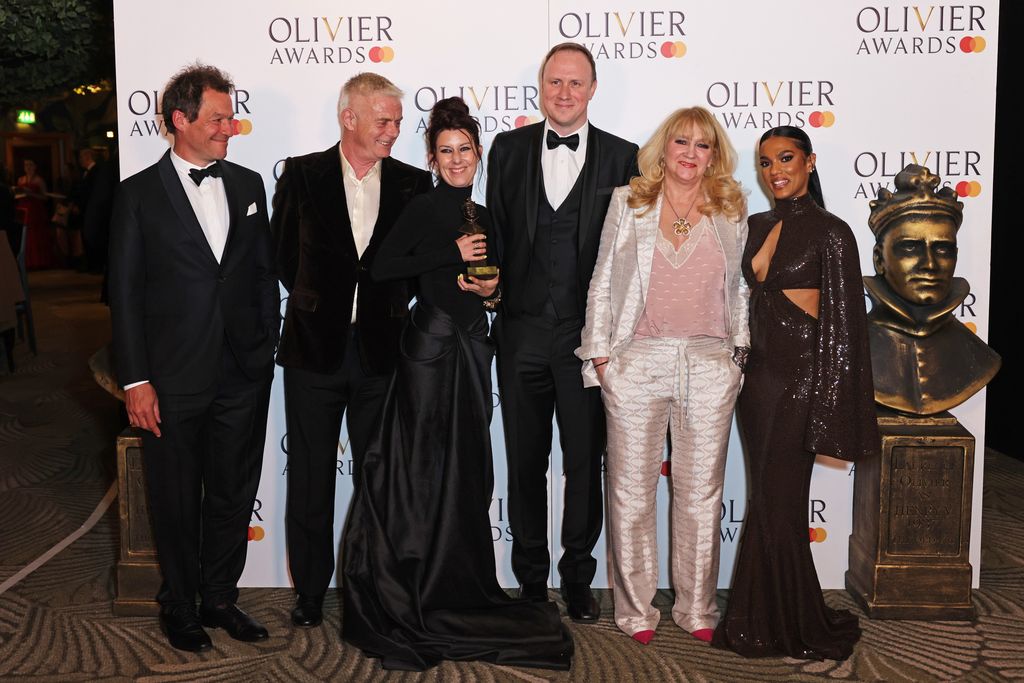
(320, 267)
(514, 188)
(173, 307)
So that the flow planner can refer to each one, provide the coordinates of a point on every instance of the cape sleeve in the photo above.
(842, 420)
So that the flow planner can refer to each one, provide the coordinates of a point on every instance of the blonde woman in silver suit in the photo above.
(666, 338)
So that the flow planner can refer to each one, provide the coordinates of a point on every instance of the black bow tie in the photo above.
(572, 141)
(197, 174)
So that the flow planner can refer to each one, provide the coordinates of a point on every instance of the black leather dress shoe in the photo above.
(232, 619)
(534, 591)
(183, 630)
(580, 603)
(308, 610)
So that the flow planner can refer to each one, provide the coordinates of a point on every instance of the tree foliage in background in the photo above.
(49, 46)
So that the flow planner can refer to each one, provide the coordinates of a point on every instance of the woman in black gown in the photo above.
(808, 391)
(418, 559)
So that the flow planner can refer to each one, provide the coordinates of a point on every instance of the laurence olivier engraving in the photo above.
(924, 359)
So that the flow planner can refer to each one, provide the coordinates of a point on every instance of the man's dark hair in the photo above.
(184, 91)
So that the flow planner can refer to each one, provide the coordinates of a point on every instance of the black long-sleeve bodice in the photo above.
(818, 250)
(422, 245)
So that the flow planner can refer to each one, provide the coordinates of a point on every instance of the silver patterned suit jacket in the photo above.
(618, 289)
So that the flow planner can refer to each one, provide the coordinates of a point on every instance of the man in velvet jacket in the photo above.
(332, 210)
(548, 188)
(194, 305)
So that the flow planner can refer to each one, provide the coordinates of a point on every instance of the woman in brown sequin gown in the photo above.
(808, 391)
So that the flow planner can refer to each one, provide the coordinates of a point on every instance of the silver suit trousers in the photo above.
(685, 388)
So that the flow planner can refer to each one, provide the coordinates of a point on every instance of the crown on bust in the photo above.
(915, 193)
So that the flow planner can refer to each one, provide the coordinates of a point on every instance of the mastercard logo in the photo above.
(242, 126)
(968, 188)
(821, 119)
(256, 533)
(666, 468)
(671, 48)
(381, 54)
(972, 44)
(525, 120)
(817, 534)
(972, 327)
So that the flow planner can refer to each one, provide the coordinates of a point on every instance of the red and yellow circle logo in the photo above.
(673, 48)
(972, 44)
(256, 533)
(972, 327)
(525, 120)
(242, 126)
(821, 119)
(968, 188)
(817, 534)
(381, 53)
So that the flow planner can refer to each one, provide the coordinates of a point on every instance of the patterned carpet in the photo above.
(56, 624)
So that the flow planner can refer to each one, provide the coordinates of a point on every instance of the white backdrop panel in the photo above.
(876, 85)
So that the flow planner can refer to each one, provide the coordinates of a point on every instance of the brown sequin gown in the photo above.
(808, 390)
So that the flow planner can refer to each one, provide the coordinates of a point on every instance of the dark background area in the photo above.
(1002, 404)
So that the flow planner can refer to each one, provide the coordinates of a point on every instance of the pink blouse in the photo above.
(686, 294)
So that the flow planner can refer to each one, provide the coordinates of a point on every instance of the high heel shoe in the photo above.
(703, 634)
(643, 637)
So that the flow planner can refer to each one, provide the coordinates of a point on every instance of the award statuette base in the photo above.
(909, 551)
(138, 573)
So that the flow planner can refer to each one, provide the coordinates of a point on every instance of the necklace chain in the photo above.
(682, 227)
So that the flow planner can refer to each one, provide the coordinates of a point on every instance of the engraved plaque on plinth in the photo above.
(138, 573)
(909, 551)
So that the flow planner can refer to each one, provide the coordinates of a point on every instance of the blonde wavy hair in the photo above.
(724, 194)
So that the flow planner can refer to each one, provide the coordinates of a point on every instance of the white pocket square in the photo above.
(251, 210)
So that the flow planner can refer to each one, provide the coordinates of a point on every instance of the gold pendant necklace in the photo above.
(682, 227)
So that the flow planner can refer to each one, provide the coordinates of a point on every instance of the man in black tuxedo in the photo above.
(95, 199)
(194, 304)
(332, 210)
(548, 188)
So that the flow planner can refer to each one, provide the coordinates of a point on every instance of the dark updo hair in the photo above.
(451, 113)
(803, 143)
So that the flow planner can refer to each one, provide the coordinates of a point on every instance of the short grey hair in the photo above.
(366, 84)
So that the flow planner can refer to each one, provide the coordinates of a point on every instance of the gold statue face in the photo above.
(917, 257)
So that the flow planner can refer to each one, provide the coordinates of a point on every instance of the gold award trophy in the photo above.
(909, 551)
(482, 269)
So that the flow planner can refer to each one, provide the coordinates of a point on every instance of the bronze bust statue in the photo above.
(925, 360)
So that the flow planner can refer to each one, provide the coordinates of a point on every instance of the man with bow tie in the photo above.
(548, 188)
(194, 305)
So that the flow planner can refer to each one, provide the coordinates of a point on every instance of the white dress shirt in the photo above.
(210, 204)
(362, 197)
(561, 166)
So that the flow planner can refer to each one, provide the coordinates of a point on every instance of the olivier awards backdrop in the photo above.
(877, 85)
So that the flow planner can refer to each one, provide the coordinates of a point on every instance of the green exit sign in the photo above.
(26, 116)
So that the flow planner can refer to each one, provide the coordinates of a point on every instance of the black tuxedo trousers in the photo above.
(202, 476)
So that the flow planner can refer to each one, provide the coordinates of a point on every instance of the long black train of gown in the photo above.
(419, 579)
(808, 390)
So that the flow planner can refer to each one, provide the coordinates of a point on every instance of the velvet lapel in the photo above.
(182, 207)
(327, 188)
(390, 199)
(590, 173)
(646, 237)
(533, 177)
